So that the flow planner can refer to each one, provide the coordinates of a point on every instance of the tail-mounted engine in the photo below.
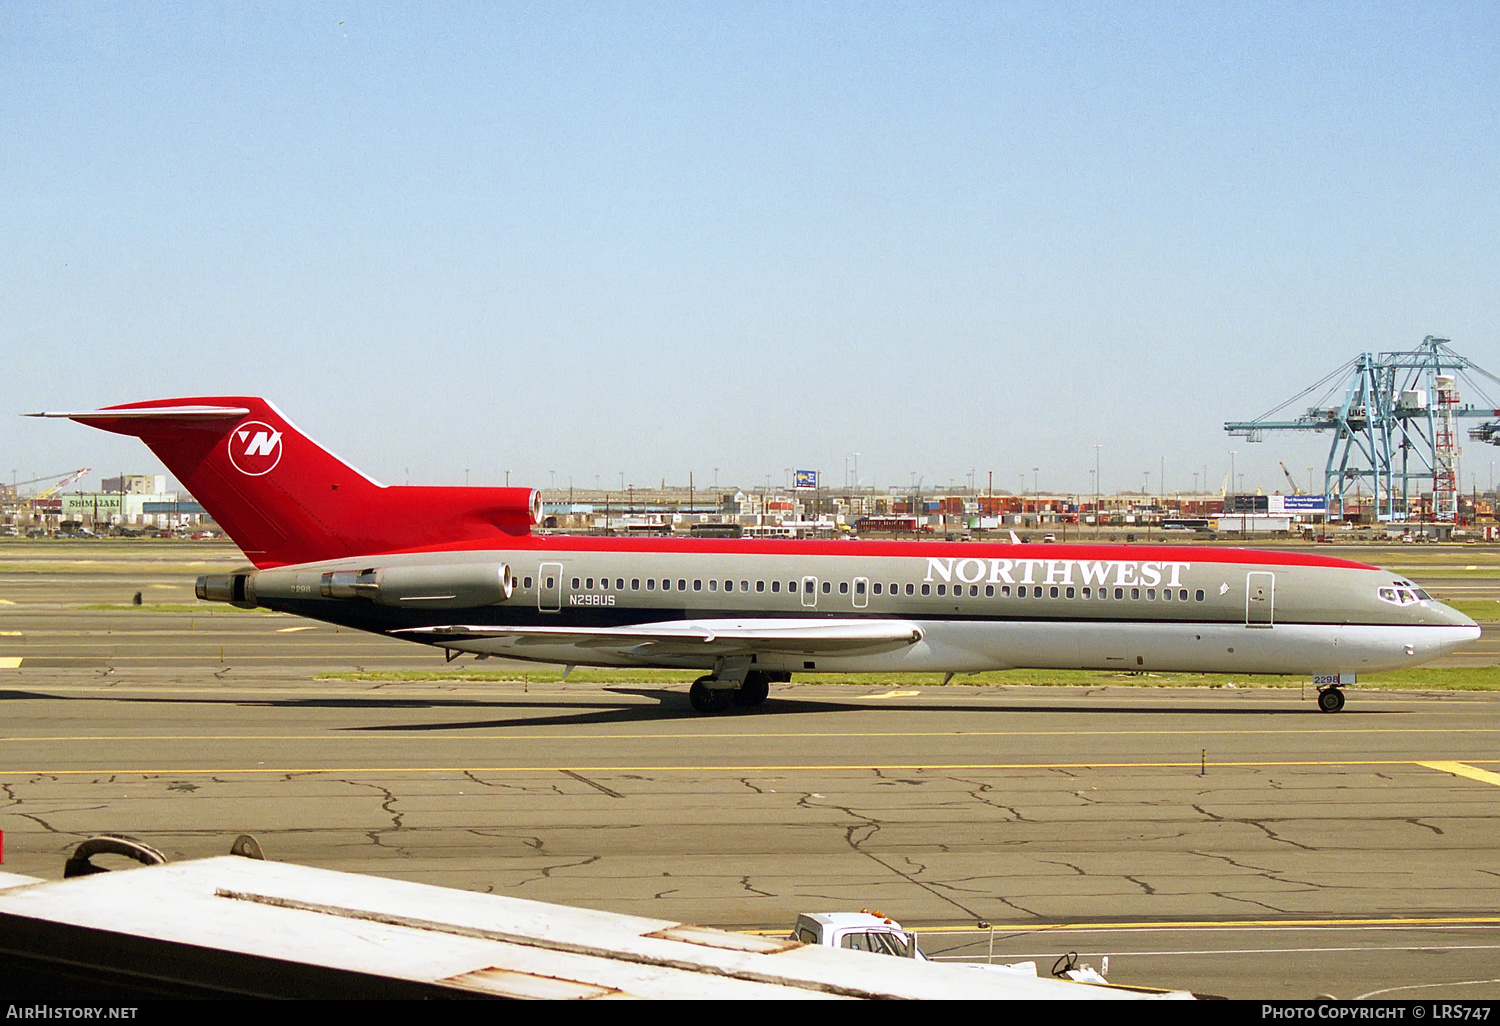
(440, 586)
(452, 586)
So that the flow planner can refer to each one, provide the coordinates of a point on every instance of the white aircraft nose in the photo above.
(1452, 637)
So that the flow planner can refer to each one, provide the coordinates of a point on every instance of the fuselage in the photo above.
(459, 569)
(973, 606)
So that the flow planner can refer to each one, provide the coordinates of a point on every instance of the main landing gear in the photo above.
(1330, 699)
(709, 694)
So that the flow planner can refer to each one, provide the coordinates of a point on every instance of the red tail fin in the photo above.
(285, 499)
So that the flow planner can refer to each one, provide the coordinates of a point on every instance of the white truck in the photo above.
(877, 933)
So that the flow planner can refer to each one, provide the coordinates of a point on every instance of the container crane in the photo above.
(1394, 426)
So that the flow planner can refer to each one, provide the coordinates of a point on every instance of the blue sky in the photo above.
(600, 239)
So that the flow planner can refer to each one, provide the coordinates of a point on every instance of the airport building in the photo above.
(128, 504)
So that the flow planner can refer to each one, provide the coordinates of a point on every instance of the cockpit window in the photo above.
(1404, 594)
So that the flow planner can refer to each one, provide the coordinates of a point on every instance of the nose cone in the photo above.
(1454, 630)
(1447, 615)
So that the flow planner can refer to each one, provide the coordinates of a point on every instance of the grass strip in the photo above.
(1482, 610)
(199, 609)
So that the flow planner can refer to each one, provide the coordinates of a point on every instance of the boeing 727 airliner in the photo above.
(461, 570)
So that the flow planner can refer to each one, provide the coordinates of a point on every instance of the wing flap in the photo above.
(700, 637)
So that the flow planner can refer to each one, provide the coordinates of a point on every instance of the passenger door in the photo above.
(549, 587)
(1260, 598)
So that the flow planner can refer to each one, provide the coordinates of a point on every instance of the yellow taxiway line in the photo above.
(345, 734)
(768, 768)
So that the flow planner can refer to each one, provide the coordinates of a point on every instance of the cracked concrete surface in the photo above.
(739, 821)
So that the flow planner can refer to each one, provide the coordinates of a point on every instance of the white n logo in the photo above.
(254, 447)
(263, 443)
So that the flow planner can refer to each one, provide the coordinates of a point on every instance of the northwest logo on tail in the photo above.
(254, 448)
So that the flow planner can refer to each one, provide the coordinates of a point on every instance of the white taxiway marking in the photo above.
(1424, 986)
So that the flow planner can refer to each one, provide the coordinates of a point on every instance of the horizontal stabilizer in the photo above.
(154, 413)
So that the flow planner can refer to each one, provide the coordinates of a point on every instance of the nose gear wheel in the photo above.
(1331, 700)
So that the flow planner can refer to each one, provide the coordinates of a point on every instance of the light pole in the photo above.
(1097, 447)
(1231, 468)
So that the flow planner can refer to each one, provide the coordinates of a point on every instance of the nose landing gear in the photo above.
(1330, 700)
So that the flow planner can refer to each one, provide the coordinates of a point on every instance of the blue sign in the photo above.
(805, 479)
(1304, 503)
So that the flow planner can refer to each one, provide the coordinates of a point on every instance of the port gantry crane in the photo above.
(1394, 427)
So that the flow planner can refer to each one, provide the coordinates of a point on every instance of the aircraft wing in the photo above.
(685, 637)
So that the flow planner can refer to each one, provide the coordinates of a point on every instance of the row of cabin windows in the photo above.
(990, 590)
(587, 584)
(1057, 591)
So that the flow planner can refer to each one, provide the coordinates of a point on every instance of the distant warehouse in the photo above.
(886, 525)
